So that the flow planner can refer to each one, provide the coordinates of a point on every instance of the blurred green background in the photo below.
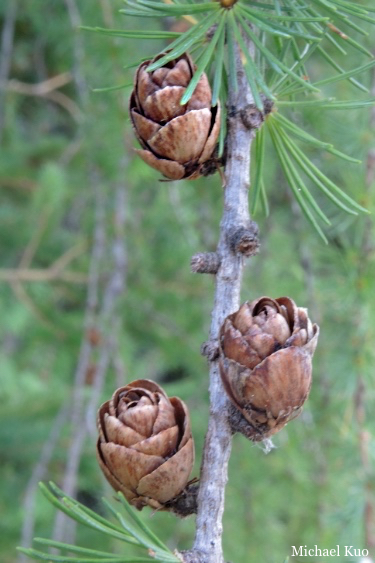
(96, 290)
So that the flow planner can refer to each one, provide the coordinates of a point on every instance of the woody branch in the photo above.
(217, 449)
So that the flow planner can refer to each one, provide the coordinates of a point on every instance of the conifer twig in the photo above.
(214, 473)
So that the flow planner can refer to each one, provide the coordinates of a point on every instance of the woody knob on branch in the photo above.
(266, 352)
(178, 140)
(145, 447)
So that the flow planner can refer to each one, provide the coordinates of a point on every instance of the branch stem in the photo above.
(217, 449)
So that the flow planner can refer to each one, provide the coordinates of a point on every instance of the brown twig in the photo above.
(40, 88)
(48, 90)
(72, 253)
(54, 272)
(41, 275)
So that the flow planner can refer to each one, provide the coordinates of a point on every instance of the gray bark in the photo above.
(214, 473)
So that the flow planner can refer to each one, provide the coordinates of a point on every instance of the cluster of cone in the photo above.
(145, 447)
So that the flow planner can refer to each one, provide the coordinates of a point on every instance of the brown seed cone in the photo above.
(177, 140)
(145, 447)
(266, 350)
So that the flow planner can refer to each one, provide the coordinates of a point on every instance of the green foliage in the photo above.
(285, 36)
(132, 530)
